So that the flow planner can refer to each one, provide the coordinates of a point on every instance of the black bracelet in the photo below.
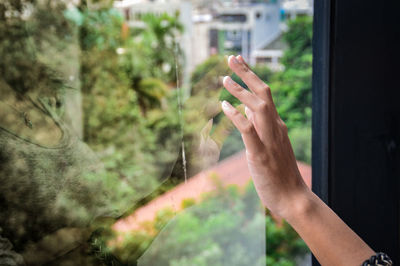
(379, 259)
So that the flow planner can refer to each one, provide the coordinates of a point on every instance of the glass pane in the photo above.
(113, 146)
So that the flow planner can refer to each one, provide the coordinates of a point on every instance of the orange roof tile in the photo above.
(231, 171)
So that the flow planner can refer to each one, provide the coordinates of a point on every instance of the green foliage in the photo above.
(152, 51)
(186, 203)
(224, 229)
(232, 144)
(129, 105)
(122, 81)
(130, 119)
(22, 40)
(300, 138)
(199, 109)
(292, 87)
(283, 243)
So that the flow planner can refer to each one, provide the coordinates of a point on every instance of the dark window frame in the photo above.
(342, 157)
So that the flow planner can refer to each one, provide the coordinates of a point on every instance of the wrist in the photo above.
(299, 205)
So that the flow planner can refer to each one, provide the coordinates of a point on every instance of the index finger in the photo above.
(250, 137)
(254, 83)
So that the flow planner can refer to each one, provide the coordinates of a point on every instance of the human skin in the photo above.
(277, 179)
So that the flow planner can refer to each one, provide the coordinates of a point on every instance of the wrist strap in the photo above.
(379, 259)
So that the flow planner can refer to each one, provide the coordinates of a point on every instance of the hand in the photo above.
(207, 153)
(277, 179)
(209, 147)
(270, 157)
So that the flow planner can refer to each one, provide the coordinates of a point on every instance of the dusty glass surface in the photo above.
(113, 146)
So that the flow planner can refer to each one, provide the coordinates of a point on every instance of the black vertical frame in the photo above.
(320, 95)
(356, 116)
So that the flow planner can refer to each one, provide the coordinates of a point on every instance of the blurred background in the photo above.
(114, 149)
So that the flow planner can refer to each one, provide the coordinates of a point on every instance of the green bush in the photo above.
(227, 228)
(301, 141)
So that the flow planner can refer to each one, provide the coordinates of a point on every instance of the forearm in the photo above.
(273, 167)
(331, 241)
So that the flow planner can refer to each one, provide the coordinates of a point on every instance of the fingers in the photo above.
(251, 140)
(246, 97)
(238, 65)
(249, 114)
(241, 60)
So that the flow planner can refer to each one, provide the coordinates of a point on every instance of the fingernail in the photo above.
(226, 106)
(234, 60)
(228, 80)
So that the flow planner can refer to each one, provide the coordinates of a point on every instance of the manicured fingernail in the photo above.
(228, 80)
(227, 106)
(234, 60)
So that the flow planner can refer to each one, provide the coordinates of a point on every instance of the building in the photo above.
(294, 8)
(244, 28)
(272, 52)
(250, 28)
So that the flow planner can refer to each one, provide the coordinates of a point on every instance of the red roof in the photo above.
(231, 171)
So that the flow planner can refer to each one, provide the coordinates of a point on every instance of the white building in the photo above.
(243, 27)
(293, 8)
(271, 53)
(238, 27)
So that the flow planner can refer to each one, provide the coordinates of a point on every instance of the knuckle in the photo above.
(262, 107)
(236, 86)
(257, 157)
(247, 129)
(266, 88)
(283, 126)
(245, 68)
(239, 89)
(235, 112)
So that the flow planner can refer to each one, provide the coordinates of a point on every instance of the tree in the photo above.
(292, 87)
(129, 102)
(225, 228)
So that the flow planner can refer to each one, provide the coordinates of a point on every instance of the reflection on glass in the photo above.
(112, 139)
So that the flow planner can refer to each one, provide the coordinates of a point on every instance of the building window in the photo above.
(127, 14)
(264, 60)
(233, 18)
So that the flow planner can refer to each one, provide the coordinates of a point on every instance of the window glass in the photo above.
(113, 146)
